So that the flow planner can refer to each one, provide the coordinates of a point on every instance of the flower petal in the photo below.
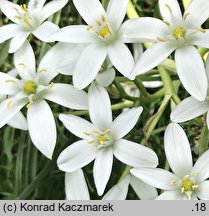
(201, 167)
(170, 195)
(203, 190)
(44, 31)
(143, 29)
(8, 31)
(88, 65)
(77, 125)
(153, 56)
(116, 18)
(102, 169)
(42, 128)
(156, 177)
(105, 78)
(18, 121)
(177, 149)
(91, 10)
(18, 40)
(52, 7)
(200, 39)
(169, 8)
(191, 71)
(76, 156)
(99, 103)
(24, 60)
(67, 96)
(119, 191)
(134, 154)
(198, 12)
(74, 34)
(143, 190)
(188, 109)
(121, 58)
(10, 107)
(36, 3)
(75, 186)
(124, 123)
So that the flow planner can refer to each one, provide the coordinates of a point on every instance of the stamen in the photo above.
(103, 18)
(9, 103)
(169, 7)
(195, 187)
(96, 131)
(88, 28)
(22, 65)
(179, 32)
(173, 182)
(29, 104)
(91, 141)
(161, 39)
(86, 133)
(105, 31)
(202, 30)
(42, 70)
(186, 177)
(9, 81)
(166, 22)
(106, 131)
(99, 22)
(50, 85)
(18, 17)
(185, 16)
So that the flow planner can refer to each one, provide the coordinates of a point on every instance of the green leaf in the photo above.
(4, 52)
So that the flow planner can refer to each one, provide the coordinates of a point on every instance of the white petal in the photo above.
(18, 121)
(134, 154)
(191, 71)
(75, 186)
(119, 191)
(138, 51)
(102, 169)
(52, 7)
(42, 127)
(143, 191)
(198, 12)
(44, 31)
(121, 58)
(158, 178)
(169, 8)
(67, 96)
(203, 191)
(105, 78)
(99, 103)
(18, 41)
(76, 156)
(201, 167)
(77, 125)
(24, 60)
(153, 56)
(90, 10)
(8, 31)
(75, 34)
(36, 3)
(177, 149)
(200, 39)
(9, 108)
(143, 29)
(124, 123)
(116, 12)
(8, 84)
(170, 195)
(88, 65)
(188, 109)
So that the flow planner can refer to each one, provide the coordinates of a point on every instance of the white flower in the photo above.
(104, 36)
(188, 181)
(32, 90)
(102, 139)
(77, 189)
(28, 20)
(176, 32)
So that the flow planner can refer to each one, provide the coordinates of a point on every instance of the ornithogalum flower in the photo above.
(104, 36)
(188, 181)
(177, 32)
(28, 19)
(102, 139)
(32, 89)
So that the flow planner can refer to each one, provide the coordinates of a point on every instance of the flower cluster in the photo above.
(96, 58)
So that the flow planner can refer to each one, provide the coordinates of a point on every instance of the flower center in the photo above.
(179, 32)
(30, 87)
(187, 185)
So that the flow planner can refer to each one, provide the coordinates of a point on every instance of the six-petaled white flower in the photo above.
(188, 181)
(28, 19)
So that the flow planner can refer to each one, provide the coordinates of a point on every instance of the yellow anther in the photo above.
(166, 22)
(169, 7)
(30, 87)
(9, 103)
(202, 30)
(102, 139)
(105, 31)
(103, 18)
(186, 177)
(179, 32)
(50, 85)
(195, 187)
(18, 17)
(91, 141)
(22, 65)
(42, 70)
(9, 81)
(173, 182)
(86, 133)
(24, 7)
(185, 16)
(88, 28)
(187, 184)
(106, 131)
(161, 39)
(29, 104)
(99, 22)
(96, 131)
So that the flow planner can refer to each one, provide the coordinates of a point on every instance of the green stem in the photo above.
(204, 137)
(140, 86)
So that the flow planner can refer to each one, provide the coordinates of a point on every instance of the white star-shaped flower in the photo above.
(33, 88)
(188, 181)
(177, 32)
(102, 139)
(28, 19)
(104, 36)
